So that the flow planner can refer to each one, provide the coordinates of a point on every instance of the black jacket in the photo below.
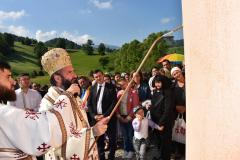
(162, 109)
(108, 100)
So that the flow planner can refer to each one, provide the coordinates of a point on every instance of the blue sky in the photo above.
(112, 22)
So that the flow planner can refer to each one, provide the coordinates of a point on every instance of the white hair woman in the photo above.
(179, 89)
(180, 103)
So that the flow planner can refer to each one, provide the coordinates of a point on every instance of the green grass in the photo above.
(41, 79)
(23, 60)
(83, 63)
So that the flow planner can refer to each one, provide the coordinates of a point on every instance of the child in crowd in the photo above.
(140, 126)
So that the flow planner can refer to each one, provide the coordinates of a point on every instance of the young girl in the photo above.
(140, 126)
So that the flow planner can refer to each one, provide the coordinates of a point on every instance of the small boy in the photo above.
(140, 126)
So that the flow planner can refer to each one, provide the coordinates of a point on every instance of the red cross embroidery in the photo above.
(75, 157)
(60, 104)
(32, 114)
(20, 154)
(43, 147)
(74, 131)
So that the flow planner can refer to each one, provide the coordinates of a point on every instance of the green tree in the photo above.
(61, 43)
(129, 56)
(101, 49)
(39, 50)
(9, 39)
(5, 49)
(104, 61)
(70, 45)
(158, 51)
(27, 41)
(109, 50)
(88, 47)
(34, 41)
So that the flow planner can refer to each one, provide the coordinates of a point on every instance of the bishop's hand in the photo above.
(100, 127)
(74, 89)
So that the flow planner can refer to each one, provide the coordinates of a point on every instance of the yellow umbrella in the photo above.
(174, 57)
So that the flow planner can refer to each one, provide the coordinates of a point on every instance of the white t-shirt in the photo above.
(141, 127)
(30, 100)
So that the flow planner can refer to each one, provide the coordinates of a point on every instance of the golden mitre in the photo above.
(55, 59)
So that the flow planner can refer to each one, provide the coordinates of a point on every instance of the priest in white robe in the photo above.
(63, 80)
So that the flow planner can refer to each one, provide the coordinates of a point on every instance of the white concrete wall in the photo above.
(212, 56)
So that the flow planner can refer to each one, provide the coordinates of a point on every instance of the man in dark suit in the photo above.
(101, 102)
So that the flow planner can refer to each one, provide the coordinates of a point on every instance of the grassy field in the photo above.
(24, 60)
(83, 63)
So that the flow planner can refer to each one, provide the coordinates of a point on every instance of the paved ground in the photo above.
(152, 152)
(150, 155)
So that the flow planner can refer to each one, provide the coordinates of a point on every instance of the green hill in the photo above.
(83, 63)
(68, 44)
(126, 58)
(24, 60)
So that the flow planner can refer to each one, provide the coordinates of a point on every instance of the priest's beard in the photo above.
(67, 83)
(7, 94)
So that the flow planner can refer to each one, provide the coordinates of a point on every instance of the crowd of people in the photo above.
(144, 118)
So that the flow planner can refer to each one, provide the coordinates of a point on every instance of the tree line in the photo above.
(7, 42)
(129, 56)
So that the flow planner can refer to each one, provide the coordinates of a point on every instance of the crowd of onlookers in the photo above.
(145, 116)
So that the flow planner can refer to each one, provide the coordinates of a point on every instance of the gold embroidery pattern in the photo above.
(87, 140)
(49, 99)
(76, 109)
(17, 152)
(77, 114)
(63, 130)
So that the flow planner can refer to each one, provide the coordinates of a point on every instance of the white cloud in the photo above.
(17, 30)
(102, 5)
(44, 36)
(11, 15)
(75, 37)
(79, 39)
(166, 20)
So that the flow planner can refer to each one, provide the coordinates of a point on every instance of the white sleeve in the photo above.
(32, 132)
(29, 131)
(45, 105)
(11, 103)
